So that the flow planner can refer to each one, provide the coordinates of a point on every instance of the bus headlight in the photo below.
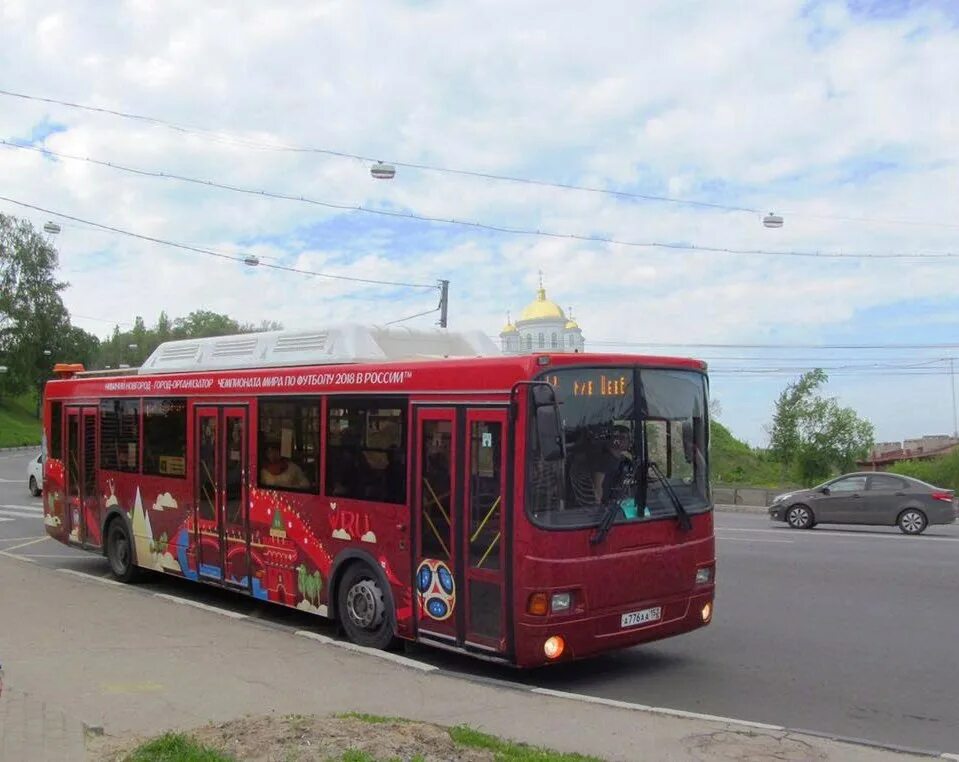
(704, 575)
(707, 612)
(560, 602)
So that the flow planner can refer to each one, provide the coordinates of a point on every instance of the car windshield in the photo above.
(614, 421)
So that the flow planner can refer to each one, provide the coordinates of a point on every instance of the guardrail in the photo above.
(758, 496)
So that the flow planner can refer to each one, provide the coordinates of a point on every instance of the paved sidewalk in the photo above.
(135, 664)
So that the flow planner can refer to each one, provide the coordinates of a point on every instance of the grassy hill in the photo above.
(735, 462)
(18, 423)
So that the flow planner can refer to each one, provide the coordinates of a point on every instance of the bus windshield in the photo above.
(619, 423)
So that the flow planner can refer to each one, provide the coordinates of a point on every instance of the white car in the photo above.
(35, 475)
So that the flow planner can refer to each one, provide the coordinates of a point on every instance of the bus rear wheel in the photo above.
(364, 608)
(120, 552)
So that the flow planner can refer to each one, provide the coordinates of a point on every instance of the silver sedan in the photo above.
(868, 498)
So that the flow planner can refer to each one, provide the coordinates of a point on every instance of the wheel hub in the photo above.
(364, 604)
(912, 522)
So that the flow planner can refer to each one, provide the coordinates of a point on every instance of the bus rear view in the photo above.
(619, 543)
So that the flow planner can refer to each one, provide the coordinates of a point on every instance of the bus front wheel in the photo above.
(364, 608)
(120, 552)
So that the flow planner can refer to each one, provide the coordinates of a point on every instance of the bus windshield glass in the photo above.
(619, 423)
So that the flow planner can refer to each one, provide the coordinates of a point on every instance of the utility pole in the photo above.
(444, 301)
(952, 383)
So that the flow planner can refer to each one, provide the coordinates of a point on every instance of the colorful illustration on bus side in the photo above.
(53, 498)
(436, 589)
(347, 525)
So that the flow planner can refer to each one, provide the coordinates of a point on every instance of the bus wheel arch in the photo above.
(358, 573)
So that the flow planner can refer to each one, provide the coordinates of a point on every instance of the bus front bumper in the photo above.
(604, 631)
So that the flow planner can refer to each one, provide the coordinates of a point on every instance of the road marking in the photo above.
(395, 658)
(16, 557)
(17, 507)
(4, 518)
(25, 544)
(838, 533)
(654, 709)
(17, 514)
(76, 573)
(750, 539)
(17, 539)
(198, 605)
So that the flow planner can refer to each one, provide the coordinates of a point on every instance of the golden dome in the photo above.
(572, 325)
(543, 309)
(508, 328)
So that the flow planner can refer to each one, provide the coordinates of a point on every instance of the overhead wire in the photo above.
(608, 240)
(221, 255)
(225, 137)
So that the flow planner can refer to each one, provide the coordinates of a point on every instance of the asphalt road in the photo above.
(845, 631)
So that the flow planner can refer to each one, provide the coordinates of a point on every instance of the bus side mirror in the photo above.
(549, 432)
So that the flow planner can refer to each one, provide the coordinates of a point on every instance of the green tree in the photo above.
(814, 436)
(35, 330)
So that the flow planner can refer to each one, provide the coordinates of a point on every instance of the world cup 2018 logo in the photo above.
(436, 589)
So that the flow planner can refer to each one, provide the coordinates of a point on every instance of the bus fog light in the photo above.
(704, 575)
(560, 602)
(707, 612)
(554, 647)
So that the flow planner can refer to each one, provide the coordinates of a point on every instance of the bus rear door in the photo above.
(83, 505)
(460, 506)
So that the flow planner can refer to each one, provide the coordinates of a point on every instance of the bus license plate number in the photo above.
(642, 617)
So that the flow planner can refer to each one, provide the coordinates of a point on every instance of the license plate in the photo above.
(642, 617)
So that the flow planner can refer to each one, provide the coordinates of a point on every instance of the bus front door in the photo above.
(83, 505)
(460, 548)
(222, 508)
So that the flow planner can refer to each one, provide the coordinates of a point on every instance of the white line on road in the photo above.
(18, 539)
(25, 544)
(76, 573)
(4, 518)
(750, 539)
(395, 658)
(653, 709)
(198, 605)
(19, 514)
(15, 557)
(31, 508)
(838, 533)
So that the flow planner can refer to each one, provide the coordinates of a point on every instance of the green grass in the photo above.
(18, 423)
(940, 472)
(508, 751)
(735, 462)
(176, 747)
(373, 719)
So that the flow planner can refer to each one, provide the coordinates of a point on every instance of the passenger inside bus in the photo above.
(281, 472)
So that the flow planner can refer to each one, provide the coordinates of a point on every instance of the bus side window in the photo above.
(288, 444)
(366, 450)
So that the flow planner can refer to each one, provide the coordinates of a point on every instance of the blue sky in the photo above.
(833, 113)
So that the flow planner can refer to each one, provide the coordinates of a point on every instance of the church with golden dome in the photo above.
(543, 326)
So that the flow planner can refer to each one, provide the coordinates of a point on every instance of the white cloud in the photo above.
(806, 109)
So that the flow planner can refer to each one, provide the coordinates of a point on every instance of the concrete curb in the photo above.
(412, 664)
(21, 447)
(727, 508)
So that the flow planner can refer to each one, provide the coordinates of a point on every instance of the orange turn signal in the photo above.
(538, 604)
(554, 647)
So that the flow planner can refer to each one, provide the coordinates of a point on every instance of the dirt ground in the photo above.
(303, 739)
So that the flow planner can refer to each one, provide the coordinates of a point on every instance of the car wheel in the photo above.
(34, 489)
(364, 609)
(800, 517)
(120, 552)
(912, 521)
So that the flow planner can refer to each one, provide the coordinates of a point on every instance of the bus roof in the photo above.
(343, 344)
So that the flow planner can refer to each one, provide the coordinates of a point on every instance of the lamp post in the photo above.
(381, 171)
(773, 220)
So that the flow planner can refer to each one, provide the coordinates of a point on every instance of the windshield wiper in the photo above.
(681, 516)
(614, 506)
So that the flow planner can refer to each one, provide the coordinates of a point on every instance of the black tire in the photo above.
(119, 550)
(34, 489)
(365, 609)
(912, 521)
(800, 516)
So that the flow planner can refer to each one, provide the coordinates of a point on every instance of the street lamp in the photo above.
(251, 259)
(773, 220)
(51, 227)
(382, 171)
(47, 353)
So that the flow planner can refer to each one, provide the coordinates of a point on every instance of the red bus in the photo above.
(523, 509)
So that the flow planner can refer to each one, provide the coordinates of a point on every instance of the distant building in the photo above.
(543, 326)
(885, 454)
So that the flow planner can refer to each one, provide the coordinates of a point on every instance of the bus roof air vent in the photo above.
(339, 344)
